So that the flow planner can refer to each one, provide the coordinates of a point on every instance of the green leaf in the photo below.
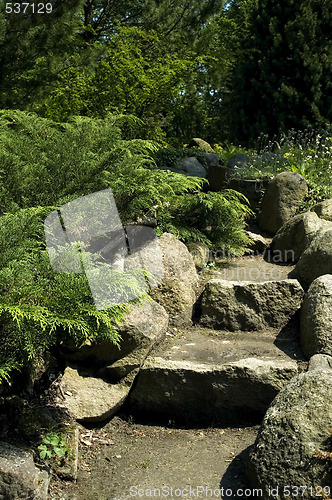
(44, 452)
(60, 452)
(52, 439)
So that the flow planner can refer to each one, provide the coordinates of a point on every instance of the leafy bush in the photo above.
(38, 306)
(308, 153)
(45, 163)
(169, 157)
(49, 164)
(226, 151)
(216, 219)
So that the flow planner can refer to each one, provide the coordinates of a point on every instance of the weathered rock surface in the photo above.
(199, 143)
(316, 317)
(200, 253)
(177, 291)
(246, 305)
(254, 268)
(316, 260)
(296, 425)
(257, 242)
(144, 326)
(192, 167)
(237, 161)
(281, 200)
(321, 362)
(324, 209)
(152, 328)
(212, 159)
(199, 377)
(20, 479)
(91, 399)
(295, 236)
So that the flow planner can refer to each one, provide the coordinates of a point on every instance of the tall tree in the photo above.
(35, 47)
(146, 50)
(282, 78)
(207, 86)
(154, 65)
(127, 79)
(170, 19)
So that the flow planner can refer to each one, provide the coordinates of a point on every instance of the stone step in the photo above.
(207, 375)
(250, 305)
(254, 268)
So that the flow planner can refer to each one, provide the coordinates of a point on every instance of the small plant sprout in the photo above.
(53, 445)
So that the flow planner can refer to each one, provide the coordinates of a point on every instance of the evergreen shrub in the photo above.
(46, 164)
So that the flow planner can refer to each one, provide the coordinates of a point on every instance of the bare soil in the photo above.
(124, 460)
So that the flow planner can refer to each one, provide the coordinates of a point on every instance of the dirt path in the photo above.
(123, 460)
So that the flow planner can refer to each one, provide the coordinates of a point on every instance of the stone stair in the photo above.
(244, 348)
(205, 375)
(229, 366)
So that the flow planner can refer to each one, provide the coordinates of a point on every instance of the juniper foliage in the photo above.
(46, 164)
(39, 307)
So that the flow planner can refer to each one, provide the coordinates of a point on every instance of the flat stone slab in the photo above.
(251, 268)
(206, 375)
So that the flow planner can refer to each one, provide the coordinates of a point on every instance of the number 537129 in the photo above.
(23, 7)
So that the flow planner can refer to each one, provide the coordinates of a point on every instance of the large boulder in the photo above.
(142, 330)
(320, 362)
(199, 143)
(295, 236)
(236, 305)
(212, 159)
(191, 167)
(316, 260)
(177, 292)
(297, 424)
(20, 479)
(252, 189)
(257, 242)
(324, 209)
(316, 317)
(281, 200)
(144, 326)
(237, 161)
